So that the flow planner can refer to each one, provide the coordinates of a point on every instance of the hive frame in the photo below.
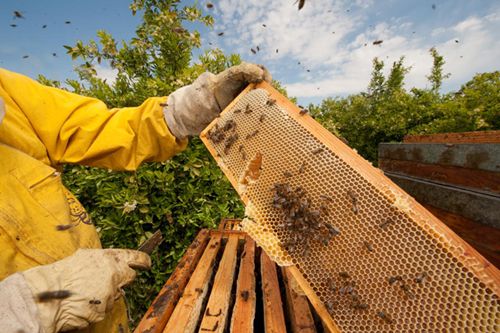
(466, 255)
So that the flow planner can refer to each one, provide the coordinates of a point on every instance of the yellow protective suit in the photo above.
(43, 128)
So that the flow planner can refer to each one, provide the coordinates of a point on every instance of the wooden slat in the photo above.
(464, 137)
(188, 309)
(481, 156)
(274, 319)
(472, 178)
(299, 313)
(216, 313)
(162, 307)
(483, 238)
(244, 307)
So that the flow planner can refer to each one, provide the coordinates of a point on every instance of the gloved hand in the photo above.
(191, 108)
(94, 278)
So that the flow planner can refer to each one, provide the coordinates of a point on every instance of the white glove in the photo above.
(191, 108)
(93, 278)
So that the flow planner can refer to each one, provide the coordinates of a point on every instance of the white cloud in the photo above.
(333, 39)
(106, 73)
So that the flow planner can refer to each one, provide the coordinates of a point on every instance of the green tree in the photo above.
(436, 77)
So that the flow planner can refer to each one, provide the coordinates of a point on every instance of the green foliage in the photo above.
(387, 112)
(179, 196)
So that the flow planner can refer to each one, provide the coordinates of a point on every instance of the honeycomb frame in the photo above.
(459, 290)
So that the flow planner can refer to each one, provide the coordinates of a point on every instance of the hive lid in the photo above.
(392, 266)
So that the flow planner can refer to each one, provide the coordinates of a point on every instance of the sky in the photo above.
(324, 50)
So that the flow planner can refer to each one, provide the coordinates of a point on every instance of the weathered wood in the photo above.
(159, 312)
(485, 239)
(475, 179)
(244, 306)
(482, 156)
(229, 224)
(475, 206)
(299, 313)
(188, 309)
(274, 319)
(216, 311)
(464, 137)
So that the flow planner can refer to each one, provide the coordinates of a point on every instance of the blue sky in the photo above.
(327, 37)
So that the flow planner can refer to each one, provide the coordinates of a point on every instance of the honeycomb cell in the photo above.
(449, 299)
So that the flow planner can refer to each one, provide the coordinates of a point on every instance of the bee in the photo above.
(344, 275)
(302, 167)
(354, 200)
(245, 294)
(47, 296)
(55, 55)
(229, 142)
(220, 34)
(262, 117)
(258, 48)
(386, 223)
(331, 305)
(420, 278)
(317, 151)
(251, 135)
(368, 246)
(95, 301)
(248, 109)
(331, 284)
(198, 290)
(253, 51)
(378, 42)
(18, 14)
(287, 174)
(323, 209)
(271, 102)
(325, 197)
(385, 317)
(210, 5)
(359, 306)
(276, 50)
(394, 279)
(44, 26)
(240, 148)
(179, 30)
(26, 56)
(237, 111)
(67, 22)
(62, 227)
(301, 3)
(13, 25)
(407, 291)
(303, 111)
(163, 104)
(243, 156)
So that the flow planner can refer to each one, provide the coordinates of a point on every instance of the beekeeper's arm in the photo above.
(69, 294)
(82, 130)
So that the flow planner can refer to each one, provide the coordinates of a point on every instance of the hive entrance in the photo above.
(375, 258)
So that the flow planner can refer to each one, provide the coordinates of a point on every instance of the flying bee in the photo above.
(67, 22)
(253, 51)
(303, 111)
(394, 279)
(220, 34)
(258, 48)
(47, 296)
(210, 5)
(420, 278)
(301, 3)
(13, 25)
(378, 42)
(18, 15)
(317, 151)
(271, 102)
(385, 317)
(44, 26)
(368, 246)
(26, 56)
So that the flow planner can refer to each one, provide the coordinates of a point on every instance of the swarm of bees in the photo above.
(301, 219)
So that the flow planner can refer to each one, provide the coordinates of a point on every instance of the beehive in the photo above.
(394, 267)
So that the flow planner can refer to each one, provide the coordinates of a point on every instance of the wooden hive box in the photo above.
(225, 283)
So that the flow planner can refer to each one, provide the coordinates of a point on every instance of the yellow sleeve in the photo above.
(78, 129)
